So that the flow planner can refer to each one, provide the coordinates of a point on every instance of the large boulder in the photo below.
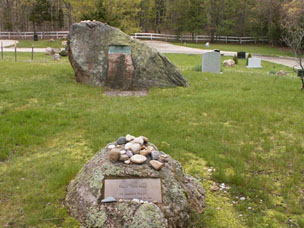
(105, 56)
(180, 193)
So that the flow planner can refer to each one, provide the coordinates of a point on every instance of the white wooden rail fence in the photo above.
(149, 36)
(30, 35)
(198, 38)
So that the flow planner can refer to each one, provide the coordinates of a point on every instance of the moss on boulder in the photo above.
(89, 44)
(181, 194)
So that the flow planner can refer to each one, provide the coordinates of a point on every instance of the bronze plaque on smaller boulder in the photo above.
(146, 189)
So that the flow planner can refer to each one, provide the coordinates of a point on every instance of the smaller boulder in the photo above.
(56, 57)
(229, 63)
(282, 72)
(49, 51)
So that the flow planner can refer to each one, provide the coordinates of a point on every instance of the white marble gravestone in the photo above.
(211, 62)
(254, 63)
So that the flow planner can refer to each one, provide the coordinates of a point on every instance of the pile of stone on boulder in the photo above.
(131, 184)
(132, 150)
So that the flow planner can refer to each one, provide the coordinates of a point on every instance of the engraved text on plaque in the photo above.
(147, 189)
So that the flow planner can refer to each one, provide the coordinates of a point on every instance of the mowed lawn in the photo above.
(243, 128)
(262, 49)
(40, 43)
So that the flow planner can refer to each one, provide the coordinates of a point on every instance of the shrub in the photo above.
(249, 56)
(235, 59)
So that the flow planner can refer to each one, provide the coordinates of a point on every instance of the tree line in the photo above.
(256, 18)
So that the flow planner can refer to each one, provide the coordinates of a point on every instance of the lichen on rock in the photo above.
(180, 193)
(144, 67)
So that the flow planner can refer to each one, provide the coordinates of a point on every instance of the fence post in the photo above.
(2, 50)
(9, 35)
(151, 36)
(57, 35)
(196, 39)
(15, 51)
(240, 40)
(226, 39)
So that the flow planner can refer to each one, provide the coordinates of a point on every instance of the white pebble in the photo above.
(127, 161)
(129, 137)
(242, 198)
(136, 200)
(111, 146)
(138, 140)
(123, 152)
(128, 146)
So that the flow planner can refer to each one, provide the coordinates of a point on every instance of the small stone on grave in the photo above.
(138, 159)
(109, 199)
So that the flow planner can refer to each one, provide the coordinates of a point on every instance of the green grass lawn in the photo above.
(262, 49)
(245, 123)
(39, 44)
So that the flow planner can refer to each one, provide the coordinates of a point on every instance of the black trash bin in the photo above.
(35, 37)
(300, 73)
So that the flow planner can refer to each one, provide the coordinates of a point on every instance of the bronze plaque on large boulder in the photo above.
(105, 56)
(120, 68)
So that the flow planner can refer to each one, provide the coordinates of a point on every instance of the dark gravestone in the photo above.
(241, 55)
(120, 68)
(217, 50)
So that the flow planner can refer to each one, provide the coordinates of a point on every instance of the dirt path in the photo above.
(7, 43)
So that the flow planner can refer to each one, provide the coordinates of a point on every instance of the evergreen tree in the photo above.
(40, 13)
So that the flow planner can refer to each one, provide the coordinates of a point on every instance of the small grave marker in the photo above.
(254, 63)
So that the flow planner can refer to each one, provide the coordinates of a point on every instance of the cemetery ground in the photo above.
(261, 49)
(243, 128)
(39, 44)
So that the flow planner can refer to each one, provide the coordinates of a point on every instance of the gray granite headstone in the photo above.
(211, 62)
(254, 63)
